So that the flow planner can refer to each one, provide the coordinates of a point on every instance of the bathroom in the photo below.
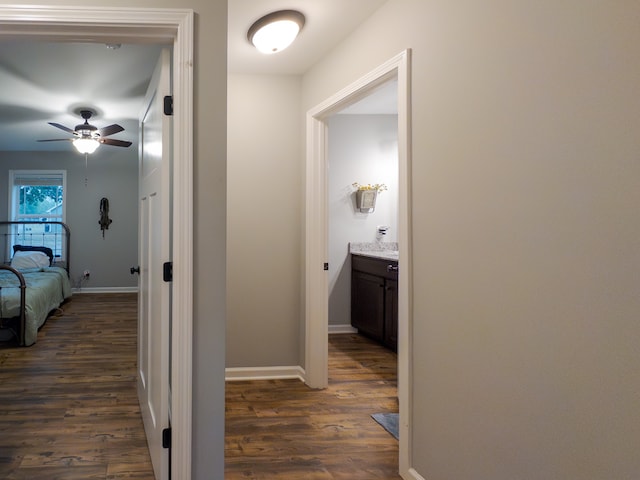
(363, 150)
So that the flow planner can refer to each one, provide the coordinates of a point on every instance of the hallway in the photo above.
(281, 429)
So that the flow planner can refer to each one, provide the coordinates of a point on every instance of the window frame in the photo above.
(13, 204)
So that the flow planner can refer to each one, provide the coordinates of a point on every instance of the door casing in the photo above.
(173, 27)
(316, 238)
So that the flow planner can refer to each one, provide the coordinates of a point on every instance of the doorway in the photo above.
(174, 27)
(316, 227)
(362, 148)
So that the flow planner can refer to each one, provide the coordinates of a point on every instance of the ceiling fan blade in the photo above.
(57, 140)
(110, 130)
(114, 142)
(62, 127)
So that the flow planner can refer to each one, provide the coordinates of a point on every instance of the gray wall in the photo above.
(111, 173)
(525, 233)
(363, 149)
(264, 184)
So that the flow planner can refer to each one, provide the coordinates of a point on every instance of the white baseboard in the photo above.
(342, 329)
(415, 475)
(104, 290)
(264, 373)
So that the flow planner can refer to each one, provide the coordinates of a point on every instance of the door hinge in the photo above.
(168, 105)
(166, 438)
(167, 271)
(326, 266)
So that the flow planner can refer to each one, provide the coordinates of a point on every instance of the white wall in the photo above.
(264, 189)
(525, 231)
(110, 173)
(363, 149)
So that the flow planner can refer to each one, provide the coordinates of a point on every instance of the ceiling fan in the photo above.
(86, 137)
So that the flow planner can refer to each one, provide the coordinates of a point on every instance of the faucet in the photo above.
(381, 231)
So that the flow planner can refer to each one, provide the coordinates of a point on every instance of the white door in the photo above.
(154, 250)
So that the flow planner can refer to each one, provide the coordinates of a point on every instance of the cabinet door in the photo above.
(367, 304)
(391, 314)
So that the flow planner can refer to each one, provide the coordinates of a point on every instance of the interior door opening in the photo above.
(316, 281)
(167, 27)
(363, 148)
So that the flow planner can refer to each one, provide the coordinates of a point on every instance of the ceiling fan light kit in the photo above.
(86, 137)
(276, 31)
(86, 145)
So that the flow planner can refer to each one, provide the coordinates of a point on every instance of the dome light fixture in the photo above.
(276, 31)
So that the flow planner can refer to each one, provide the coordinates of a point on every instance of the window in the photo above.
(37, 195)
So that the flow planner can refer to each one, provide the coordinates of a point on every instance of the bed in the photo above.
(34, 276)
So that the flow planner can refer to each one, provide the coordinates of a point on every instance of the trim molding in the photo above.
(264, 373)
(415, 475)
(145, 25)
(335, 329)
(181, 397)
(80, 291)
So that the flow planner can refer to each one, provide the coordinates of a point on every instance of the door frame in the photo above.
(173, 27)
(316, 237)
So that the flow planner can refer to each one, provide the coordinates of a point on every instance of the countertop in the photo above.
(383, 250)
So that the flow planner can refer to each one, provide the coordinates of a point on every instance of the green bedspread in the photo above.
(47, 288)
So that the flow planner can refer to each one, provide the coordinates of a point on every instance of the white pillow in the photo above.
(23, 260)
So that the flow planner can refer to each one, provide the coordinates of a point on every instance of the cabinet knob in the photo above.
(392, 268)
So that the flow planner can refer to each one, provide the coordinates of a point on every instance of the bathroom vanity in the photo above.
(374, 294)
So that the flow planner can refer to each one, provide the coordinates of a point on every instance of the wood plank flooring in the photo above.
(281, 429)
(68, 404)
(69, 408)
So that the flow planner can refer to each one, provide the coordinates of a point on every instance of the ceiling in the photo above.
(328, 22)
(50, 82)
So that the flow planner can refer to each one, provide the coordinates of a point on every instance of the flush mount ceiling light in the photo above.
(276, 31)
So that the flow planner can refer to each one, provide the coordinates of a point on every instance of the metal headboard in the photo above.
(7, 237)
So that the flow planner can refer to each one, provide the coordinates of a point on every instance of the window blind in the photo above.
(48, 179)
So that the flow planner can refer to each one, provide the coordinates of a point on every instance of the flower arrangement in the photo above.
(366, 195)
(378, 187)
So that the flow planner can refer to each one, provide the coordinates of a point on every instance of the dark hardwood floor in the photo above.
(69, 407)
(68, 404)
(281, 429)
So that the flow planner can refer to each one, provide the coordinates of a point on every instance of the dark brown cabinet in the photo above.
(374, 298)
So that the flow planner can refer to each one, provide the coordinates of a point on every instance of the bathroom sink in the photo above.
(384, 250)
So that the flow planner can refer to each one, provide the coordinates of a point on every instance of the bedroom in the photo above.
(51, 81)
